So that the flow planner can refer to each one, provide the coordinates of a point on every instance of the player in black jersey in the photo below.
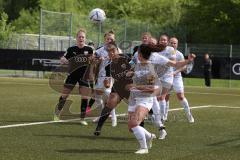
(76, 74)
(117, 69)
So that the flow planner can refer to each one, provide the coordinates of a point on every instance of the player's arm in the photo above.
(182, 63)
(65, 57)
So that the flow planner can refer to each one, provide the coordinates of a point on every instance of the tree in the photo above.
(6, 30)
(28, 22)
(210, 21)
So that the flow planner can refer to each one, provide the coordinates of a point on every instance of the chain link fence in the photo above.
(57, 33)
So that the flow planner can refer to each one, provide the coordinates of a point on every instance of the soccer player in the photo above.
(105, 82)
(76, 75)
(115, 98)
(178, 83)
(167, 78)
(145, 39)
(141, 98)
(117, 69)
(144, 89)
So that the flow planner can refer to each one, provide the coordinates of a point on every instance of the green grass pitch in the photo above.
(214, 135)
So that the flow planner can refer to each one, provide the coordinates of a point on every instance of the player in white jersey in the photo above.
(167, 78)
(143, 90)
(155, 111)
(178, 83)
(146, 38)
(105, 82)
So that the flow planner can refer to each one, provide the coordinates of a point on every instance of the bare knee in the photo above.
(180, 96)
(131, 125)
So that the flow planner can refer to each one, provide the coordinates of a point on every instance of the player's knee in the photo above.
(180, 96)
(131, 125)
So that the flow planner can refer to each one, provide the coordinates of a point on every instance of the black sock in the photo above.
(161, 128)
(84, 103)
(61, 103)
(142, 124)
(104, 115)
(91, 102)
(151, 111)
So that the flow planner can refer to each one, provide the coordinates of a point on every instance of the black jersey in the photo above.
(75, 50)
(135, 49)
(119, 67)
(78, 60)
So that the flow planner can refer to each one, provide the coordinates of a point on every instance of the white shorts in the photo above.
(178, 84)
(100, 84)
(166, 81)
(144, 102)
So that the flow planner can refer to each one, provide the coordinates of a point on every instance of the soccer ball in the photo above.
(97, 15)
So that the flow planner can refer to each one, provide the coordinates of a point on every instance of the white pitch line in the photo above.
(90, 118)
(224, 107)
(177, 109)
(28, 84)
(218, 94)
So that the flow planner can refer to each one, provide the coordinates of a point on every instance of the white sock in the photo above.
(185, 105)
(167, 108)
(156, 112)
(99, 101)
(140, 135)
(158, 121)
(162, 104)
(113, 114)
(147, 134)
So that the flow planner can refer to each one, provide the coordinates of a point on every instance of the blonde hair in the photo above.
(147, 34)
(111, 32)
(81, 30)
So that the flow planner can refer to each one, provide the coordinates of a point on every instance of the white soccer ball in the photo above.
(97, 15)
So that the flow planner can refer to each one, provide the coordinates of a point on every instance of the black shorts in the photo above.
(120, 89)
(71, 81)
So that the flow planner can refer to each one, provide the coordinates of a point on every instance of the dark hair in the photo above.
(145, 50)
(90, 43)
(164, 34)
(112, 45)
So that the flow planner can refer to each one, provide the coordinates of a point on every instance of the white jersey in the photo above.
(179, 57)
(103, 53)
(169, 53)
(159, 61)
(155, 58)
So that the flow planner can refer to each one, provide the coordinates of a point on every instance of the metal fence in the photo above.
(61, 43)
(57, 33)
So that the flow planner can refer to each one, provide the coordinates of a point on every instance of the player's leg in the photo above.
(92, 100)
(179, 88)
(157, 119)
(67, 88)
(112, 102)
(162, 102)
(142, 135)
(113, 112)
(84, 91)
(167, 105)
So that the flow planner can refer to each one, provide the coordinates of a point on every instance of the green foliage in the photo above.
(198, 21)
(28, 22)
(14, 7)
(212, 22)
(6, 29)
